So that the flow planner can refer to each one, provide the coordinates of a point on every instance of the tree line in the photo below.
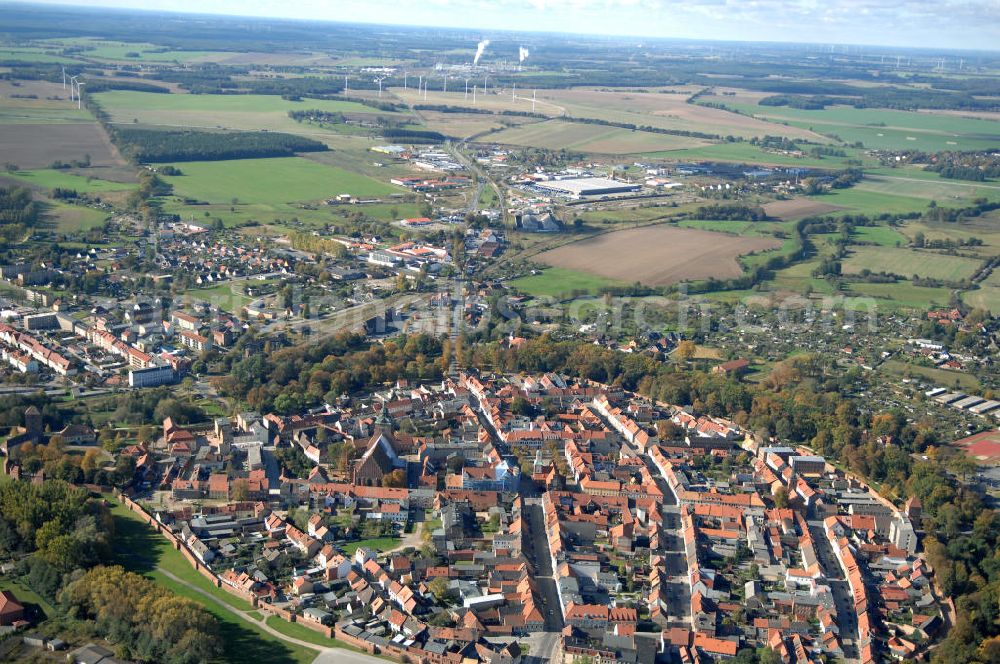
(154, 145)
(18, 212)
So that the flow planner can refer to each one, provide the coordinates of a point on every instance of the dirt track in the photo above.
(658, 255)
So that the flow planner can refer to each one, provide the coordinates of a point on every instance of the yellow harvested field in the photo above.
(666, 110)
(658, 255)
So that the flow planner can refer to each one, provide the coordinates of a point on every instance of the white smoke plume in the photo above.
(523, 54)
(480, 47)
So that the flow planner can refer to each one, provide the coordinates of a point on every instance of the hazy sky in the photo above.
(927, 23)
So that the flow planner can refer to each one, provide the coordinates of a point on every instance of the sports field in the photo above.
(909, 262)
(658, 255)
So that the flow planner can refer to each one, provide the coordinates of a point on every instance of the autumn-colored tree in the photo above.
(395, 480)
(686, 351)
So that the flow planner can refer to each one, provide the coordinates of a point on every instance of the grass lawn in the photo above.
(49, 178)
(557, 281)
(26, 595)
(227, 296)
(140, 549)
(941, 377)
(271, 181)
(377, 543)
(880, 235)
(909, 262)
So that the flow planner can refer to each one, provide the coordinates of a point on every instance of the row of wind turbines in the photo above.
(423, 81)
(74, 88)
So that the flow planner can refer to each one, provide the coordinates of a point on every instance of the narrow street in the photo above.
(847, 620)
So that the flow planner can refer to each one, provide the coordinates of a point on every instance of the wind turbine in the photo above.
(79, 95)
(533, 100)
(426, 83)
(473, 95)
(486, 82)
(379, 79)
(64, 78)
(513, 92)
(404, 79)
(345, 82)
(466, 88)
(72, 82)
(420, 84)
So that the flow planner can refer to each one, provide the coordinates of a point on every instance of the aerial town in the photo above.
(508, 333)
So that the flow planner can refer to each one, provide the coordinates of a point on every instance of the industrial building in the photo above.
(580, 187)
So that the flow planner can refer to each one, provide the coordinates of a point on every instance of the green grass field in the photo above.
(746, 153)
(941, 377)
(227, 296)
(33, 55)
(985, 297)
(377, 543)
(947, 193)
(557, 281)
(880, 235)
(76, 218)
(11, 114)
(909, 262)
(886, 129)
(48, 178)
(797, 278)
(902, 295)
(857, 200)
(269, 181)
(559, 135)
